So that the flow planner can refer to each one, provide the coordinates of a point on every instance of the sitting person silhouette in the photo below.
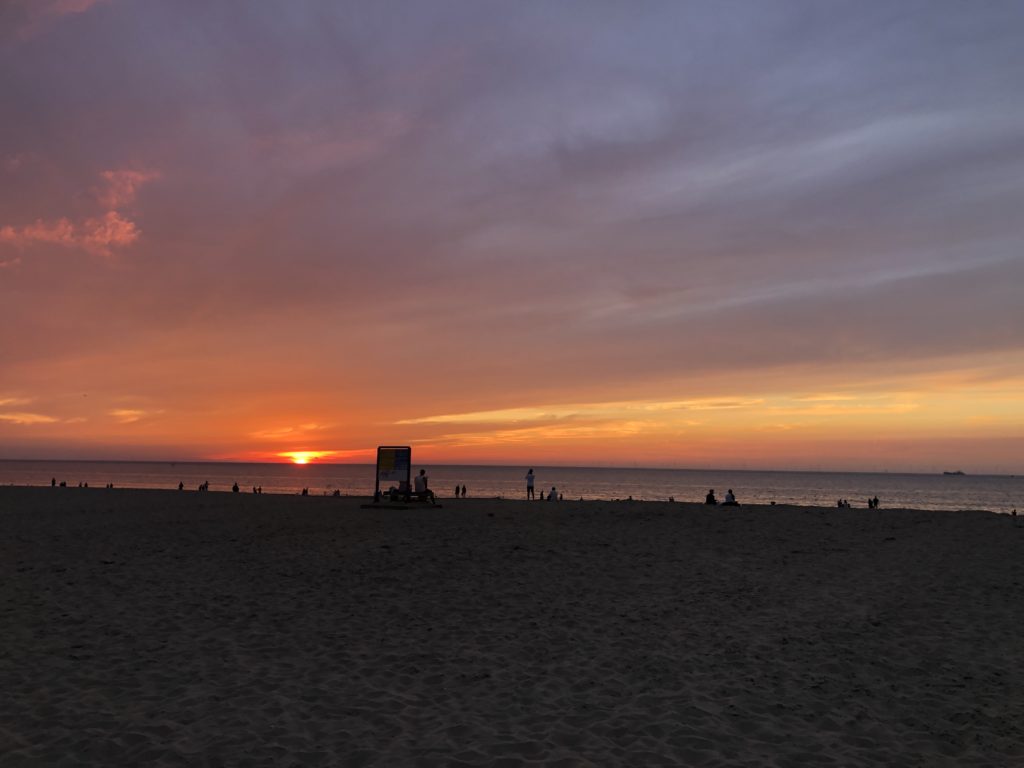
(710, 498)
(730, 499)
(422, 492)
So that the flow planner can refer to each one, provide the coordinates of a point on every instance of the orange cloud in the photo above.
(96, 235)
(128, 415)
(27, 418)
(99, 235)
(290, 432)
(112, 230)
(122, 186)
(61, 232)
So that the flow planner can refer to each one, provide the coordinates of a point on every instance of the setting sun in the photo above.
(303, 457)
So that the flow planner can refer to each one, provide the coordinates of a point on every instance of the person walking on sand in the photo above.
(529, 486)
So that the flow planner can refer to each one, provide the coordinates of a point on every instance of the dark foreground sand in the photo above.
(166, 628)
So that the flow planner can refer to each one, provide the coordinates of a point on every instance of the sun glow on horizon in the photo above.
(304, 457)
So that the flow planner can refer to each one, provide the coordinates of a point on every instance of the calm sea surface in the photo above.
(998, 493)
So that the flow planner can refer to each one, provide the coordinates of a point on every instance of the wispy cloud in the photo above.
(17, 160)
(585, 410)
(131, 415)
(98, 235)
(60, 232)
(705, 404)
(32, 16)
(66, 7)
(109, 231)
(121, 187)
(27, 418)
(291, 432)
(348, 143)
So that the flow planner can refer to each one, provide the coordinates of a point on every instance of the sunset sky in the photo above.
(782, 235)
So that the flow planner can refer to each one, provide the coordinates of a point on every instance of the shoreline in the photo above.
(446, 501)
(147, 626)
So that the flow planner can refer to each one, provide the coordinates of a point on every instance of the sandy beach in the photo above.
(167, 628)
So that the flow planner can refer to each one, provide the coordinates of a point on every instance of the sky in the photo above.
(764, 235)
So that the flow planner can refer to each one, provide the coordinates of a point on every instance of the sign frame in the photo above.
(397, 459)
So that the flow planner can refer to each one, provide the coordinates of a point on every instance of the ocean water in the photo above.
(998, 493)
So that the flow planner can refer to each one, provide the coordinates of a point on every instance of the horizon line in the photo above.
(526, 465)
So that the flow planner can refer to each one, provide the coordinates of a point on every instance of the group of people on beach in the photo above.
(422, 491)
(730, 498)
(64, 484)
(554, 495)
(845, 503)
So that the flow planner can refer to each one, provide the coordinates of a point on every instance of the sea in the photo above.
(996, 493)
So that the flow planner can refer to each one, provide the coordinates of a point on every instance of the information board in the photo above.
(394, 467)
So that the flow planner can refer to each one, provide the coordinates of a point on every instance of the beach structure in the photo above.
(394, 465)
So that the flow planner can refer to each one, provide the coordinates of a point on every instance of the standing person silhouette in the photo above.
(529, 485)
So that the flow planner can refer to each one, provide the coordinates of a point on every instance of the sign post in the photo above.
(394, 465)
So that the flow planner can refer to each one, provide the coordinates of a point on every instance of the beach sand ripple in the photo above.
(166, 628)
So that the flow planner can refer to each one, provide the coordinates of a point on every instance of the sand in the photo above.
(167, 628)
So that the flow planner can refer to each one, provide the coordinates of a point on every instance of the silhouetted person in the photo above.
(423, 493)
(529, 485)
(463, 491)
(876, 502)
(53, 482)
(553, 496)
(234, 488)
(730, 499)
(710, 498)
(456, 491)
(181, 486)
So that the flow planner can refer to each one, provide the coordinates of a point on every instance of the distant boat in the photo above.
(958, 472)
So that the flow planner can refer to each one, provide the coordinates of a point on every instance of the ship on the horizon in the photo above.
(957, 472)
